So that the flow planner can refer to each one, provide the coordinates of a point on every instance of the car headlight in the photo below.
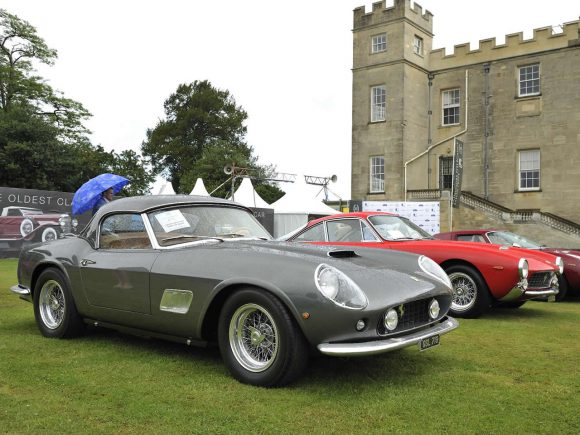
(75, 223)
(523, 268)
(560, 264)
(434, 270)
(339, 288)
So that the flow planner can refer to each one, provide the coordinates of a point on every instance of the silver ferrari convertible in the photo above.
(200, 270)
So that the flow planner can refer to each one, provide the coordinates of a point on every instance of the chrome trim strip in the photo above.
(549, 292)
(381, 346)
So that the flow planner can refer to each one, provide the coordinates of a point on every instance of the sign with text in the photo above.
(426, 215)
(457, 173)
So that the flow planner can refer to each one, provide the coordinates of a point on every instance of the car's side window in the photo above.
(123, 231)
(14, 212)
(314, 234)
(471, 238)
(344, 230)
(368, 235)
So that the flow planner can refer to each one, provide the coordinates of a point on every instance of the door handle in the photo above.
(84, 262)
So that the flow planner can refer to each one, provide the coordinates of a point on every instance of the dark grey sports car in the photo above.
(199, 270)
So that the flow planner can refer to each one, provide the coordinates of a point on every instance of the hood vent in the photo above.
(342, 254)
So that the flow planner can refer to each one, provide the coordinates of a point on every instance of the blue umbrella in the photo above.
(89, 193)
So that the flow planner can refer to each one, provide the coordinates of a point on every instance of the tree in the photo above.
(197, 116)
(43, 143)
(133, 166)
(20, 45)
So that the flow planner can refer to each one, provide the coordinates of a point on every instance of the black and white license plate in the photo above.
(429, 342)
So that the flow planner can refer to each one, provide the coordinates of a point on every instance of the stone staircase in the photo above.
(477, 212)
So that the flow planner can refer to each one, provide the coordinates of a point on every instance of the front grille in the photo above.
(540, 280)
(412, 315)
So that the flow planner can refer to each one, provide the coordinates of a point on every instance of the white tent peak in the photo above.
(162, 187)
(246, 195)
(300, 198)
(199, 188)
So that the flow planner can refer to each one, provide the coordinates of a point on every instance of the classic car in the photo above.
(569, 281)
(200, 270)
(25, 223)
(482, 275)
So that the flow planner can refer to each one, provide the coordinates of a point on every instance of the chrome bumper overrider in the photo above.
(386, 345)
(23, 292)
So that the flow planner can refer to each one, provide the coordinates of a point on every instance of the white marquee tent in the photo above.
(199, 188)
(162, 187)
(296, 207)
(246, 195)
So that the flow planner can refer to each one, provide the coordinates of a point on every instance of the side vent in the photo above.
(342, 254)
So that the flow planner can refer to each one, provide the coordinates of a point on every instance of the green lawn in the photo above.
(513, 371)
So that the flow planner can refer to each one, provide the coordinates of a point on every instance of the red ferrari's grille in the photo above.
(540, 280)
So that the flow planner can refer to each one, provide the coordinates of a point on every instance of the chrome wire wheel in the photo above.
(464, 291)
(52, 304)
(254, 337)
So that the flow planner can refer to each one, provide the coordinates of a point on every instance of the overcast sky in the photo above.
(286, 63)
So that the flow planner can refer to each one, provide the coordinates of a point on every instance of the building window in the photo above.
(378, 103)
(377, 174)
(445, 172)
(451, 107)
(529, 80)
(529, 170)
(418, 45)
(379, 43)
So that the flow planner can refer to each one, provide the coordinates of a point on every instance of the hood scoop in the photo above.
(343, 253)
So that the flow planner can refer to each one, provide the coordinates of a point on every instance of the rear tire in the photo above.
(54, 308)
(259, 341)
(471, 296)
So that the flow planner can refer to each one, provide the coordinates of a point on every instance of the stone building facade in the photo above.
(515, 106)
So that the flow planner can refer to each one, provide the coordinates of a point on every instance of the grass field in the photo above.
(512, 371)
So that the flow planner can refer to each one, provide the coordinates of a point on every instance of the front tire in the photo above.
(471, 296)
(562, 288)
(259, 341)
(54, 308)
(49, 234)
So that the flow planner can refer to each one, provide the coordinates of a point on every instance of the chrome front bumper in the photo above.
(517, 292)
(23, 292)
(388, 344)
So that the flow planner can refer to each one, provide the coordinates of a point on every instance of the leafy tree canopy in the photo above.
(20, 46)
(43, 143)
(203, 131)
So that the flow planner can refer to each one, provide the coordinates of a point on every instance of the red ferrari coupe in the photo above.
(569, 281)
(481, 275)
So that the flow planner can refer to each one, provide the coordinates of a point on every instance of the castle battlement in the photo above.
(401, 9)
(544, 39)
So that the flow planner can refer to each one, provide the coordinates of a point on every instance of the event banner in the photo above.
(426, 215)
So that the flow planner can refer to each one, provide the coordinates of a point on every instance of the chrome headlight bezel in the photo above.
(560, 264)
(523, 268)
(339, 288)
(434, 309)
(432, 269)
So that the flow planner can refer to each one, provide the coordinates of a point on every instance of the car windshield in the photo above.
(397, 228)
(194, 223)
(511, 239)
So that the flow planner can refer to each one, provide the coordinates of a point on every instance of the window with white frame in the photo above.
(377, 173)
(529, 80)
(529, 168)
(451, 106)
(379, 43)
(378, 103)
(418, 45)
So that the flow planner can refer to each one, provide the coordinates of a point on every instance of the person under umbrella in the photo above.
(106, 197)
(97, 192)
